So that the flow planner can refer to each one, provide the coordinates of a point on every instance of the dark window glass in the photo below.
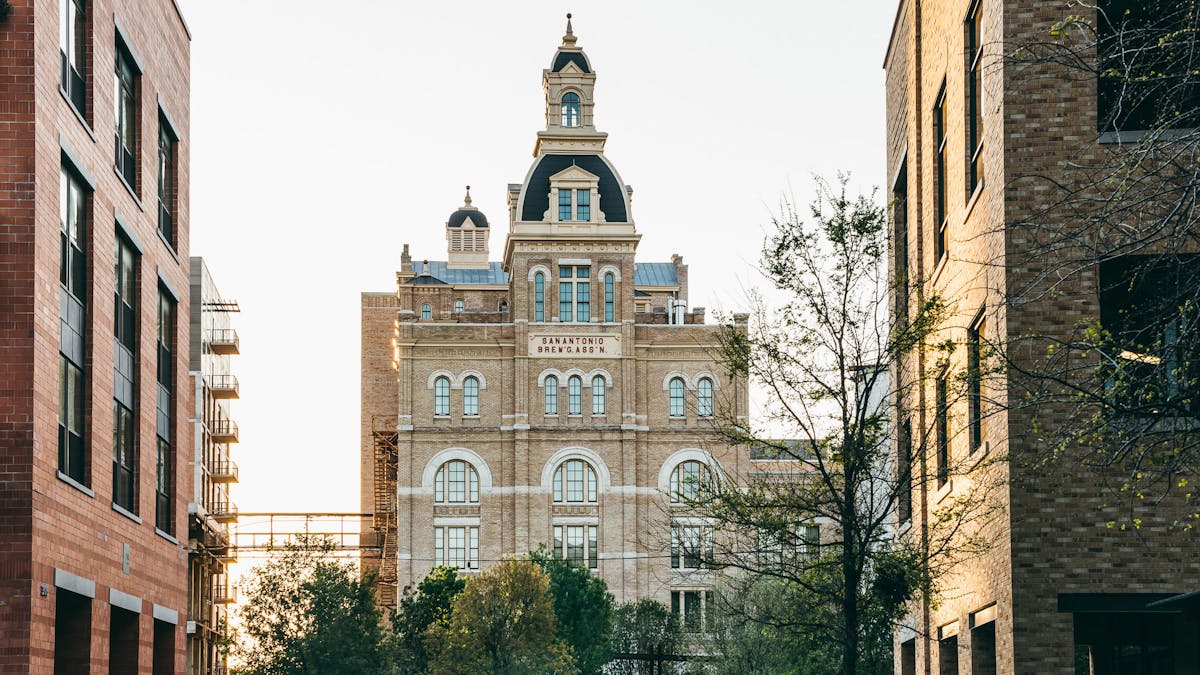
(900, 245)
(904, 471)
(124, 375)
(165, 459)
(942, 432)
(166, 182)
(1147, 71)
(975, 384)
(72, 46)
(73, 209)
(974, 87)
(126, 115)
(939, 173)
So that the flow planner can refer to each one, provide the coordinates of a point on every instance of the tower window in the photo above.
(458, 306)
(570, 109)
(574, 394)
(609, 299)
(441, 396)
(577, 483)
(456, 482)
(471, 396)
(426, 312)
(574, 294)
(539, 297)
(675, 389)
(704, 397)
(551, 395)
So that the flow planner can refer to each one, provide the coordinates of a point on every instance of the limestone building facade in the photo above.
(1059, 591)
(557, 396)
(94, 403)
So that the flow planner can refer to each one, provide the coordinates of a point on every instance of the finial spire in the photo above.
(569, 38)
(467, 199)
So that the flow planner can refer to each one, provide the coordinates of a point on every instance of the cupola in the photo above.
(467, 237)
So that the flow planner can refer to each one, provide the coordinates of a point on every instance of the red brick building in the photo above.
(94, 395)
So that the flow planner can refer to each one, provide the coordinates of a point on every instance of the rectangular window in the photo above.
(539, 297)
(939, 175)
(166, 181)
(904, 482)
(609, 298)
(1146, 70)
(564, 204)
(583, 205)
(72, 632)
(1127, 642)
(1152, 348)
(942, 432)
(578, 544)
(975, 383)
(810, 540)
(691, 545)
(974, 107)
(72, 47)
(900, 246)
(125, 92)
(73, 273)
(124, 375)
(983, 649)
(908, 657)
(693, 608)
(164, 502)
(164, 648)
(574, 293)
(456, 547)
(948, 656)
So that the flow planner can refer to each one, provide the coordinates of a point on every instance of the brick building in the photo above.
(556, 396)
(94, 399)
(212, 342)
(1058, 591)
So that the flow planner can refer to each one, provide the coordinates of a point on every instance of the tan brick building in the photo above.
(94, 399)
(1058, 592)
(552, 397)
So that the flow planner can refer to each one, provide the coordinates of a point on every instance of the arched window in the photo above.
(609, 299)
(539, 297)
(502, 306)
(458, 306)
(570, 109)
(704, 397)
(471, 396)
(456, 482)
(598, 395)
(676, 394)
(687, 479)
(441, 396)
(426, 311)
(574, 395)
(575, 483)
(551, 395)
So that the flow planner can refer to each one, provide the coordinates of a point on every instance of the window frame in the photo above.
(426, 311)
(75, 198)
(684, 487)
(459, 306)
(470, 389)
(583, 205)
(445, 554)
(941, 203)
(574, 293)
(599, 404)
(574, 395)
(127, 113)
(539, 296)
(570, 110)
(975, 381)
(697, 537)
(551, 395)
(676, 398)
(164, 512)
(609, 297)
(705, 399)
(585, 484)
(125, 367)
(441, 396)
(973, 87)
(73, 38)
(589, 546)
(168, 146)
(941, 430)
(444, 483)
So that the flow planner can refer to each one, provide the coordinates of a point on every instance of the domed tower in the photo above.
(467, 237)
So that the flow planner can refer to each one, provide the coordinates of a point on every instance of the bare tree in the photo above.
(818, 519)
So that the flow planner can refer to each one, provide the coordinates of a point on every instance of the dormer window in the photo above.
(570, 109)
(575, 204)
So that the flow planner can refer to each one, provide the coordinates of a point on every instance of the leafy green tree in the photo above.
(502, 623)
(305, 613)
(429, 604)
(645, 628)
(583, 610)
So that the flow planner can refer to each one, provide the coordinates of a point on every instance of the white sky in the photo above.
(326, 134)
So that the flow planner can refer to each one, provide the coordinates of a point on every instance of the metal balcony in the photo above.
(223, 471)
(223, 341)
(224, 511)
(224, 386)
(224, 431)
(225, 596)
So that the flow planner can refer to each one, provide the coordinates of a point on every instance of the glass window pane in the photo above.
(583, 292)
(539, 297)
(591, 478)
(439, 553)
(439, 488)
(564, 205)
(593, 547)
(574, 395)
(565, 307)
(574, 481)
(551, 395)
(575, 543)
(583, 205)
(597, 395)
(558, 485)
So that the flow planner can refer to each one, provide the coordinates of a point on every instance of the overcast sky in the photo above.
(325, 135)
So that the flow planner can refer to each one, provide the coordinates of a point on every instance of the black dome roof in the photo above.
(537, 189)
(562, 58)
(457, 218)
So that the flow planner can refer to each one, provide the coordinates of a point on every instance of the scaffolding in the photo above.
(384, 441)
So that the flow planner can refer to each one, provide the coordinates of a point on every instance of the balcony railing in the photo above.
(223, 471)
(224, 510)
(224, 431)
(223, 341)
(224, 386)
(225, 596)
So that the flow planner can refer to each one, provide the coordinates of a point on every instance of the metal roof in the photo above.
(655, 274)
(493, 275)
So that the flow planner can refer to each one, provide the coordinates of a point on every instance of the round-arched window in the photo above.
(688, 479)
(575, 483)
(456, 482)
(441, 396)
(471, 396)
(551, 395)
(574, 395)
(570, 109)
(458, 306)
(675, 390)
(704, 397)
